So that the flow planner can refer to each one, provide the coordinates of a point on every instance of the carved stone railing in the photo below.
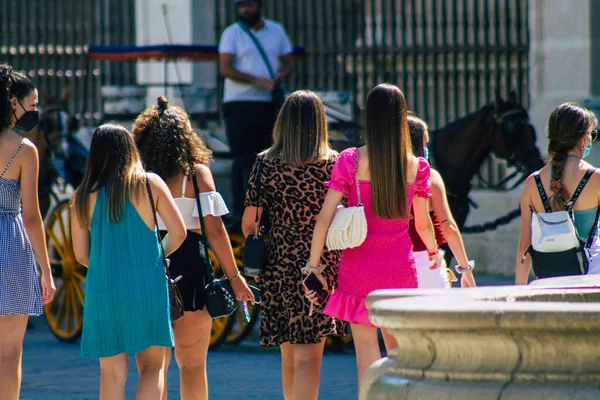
(506, 343)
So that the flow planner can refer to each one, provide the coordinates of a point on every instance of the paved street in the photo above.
(53, 370)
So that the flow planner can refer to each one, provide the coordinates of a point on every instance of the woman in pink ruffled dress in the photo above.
(390, 179)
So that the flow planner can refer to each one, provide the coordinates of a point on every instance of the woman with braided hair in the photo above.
(571, 131)
(22, 239)
(170, 148)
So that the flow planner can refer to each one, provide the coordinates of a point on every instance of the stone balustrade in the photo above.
(529, 342)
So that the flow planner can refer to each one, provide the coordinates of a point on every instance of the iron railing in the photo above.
(47, 41)
(448, 56)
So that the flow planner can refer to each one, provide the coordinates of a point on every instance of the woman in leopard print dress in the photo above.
(292, 188)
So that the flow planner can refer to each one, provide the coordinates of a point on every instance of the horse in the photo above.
(459, 148)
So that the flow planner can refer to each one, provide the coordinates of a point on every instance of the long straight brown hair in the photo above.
(388, 147)
(300, 134)
(114, 164)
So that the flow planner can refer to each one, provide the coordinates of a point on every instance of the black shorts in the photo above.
(189, 261)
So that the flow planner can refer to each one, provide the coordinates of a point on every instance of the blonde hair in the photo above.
(300, 134)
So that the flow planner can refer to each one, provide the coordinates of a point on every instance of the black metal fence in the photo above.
(46, 39)
(448, 56)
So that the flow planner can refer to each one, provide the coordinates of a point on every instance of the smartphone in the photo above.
(313, 283)
(256, 292)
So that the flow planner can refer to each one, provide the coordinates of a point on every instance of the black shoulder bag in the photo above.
(175, 298)
(277, 94)
(220, 301)
(254, 255)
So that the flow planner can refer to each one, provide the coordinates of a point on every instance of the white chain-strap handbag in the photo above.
(348, 228)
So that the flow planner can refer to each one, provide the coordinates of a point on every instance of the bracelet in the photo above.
(470, 267)
(307, 269)
(433, 252)
(236, 277)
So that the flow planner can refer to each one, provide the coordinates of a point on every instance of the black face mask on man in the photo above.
(28, 121)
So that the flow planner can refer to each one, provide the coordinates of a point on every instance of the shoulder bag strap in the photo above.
(584, 181)
(162, 251)
(360, 204)
(258, 190)
(201, 218)
(542, 192)
(259, 47)
(594, 230)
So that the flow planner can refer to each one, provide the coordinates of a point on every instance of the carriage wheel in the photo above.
(65, 313)
(336, 344)
(219, 330)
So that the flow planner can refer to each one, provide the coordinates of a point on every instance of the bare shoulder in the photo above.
(435, 178)
(596, 174)
(28, 149)
(154, 179)
(412, 168)
(202, 171)
(529, 187)
(206, 183)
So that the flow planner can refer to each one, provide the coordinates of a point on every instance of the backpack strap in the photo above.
(594, 230)
(579, 189)
(542, 192)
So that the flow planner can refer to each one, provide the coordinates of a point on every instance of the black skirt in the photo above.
(189, 261)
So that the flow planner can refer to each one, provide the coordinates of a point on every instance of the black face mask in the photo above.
(28, 121)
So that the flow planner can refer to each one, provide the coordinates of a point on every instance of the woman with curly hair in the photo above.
(170, 148)
(21, 229)
(571, 131)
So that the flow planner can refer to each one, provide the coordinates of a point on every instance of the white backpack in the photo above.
(556, 249)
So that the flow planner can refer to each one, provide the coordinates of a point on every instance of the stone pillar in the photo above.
(204, 32)
(189, 22)
(562, 59)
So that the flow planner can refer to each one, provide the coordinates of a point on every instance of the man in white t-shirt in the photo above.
(248, 108)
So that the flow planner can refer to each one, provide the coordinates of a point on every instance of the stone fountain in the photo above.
(528, 342)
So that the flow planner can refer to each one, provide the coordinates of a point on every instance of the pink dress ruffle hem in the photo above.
(349, 308)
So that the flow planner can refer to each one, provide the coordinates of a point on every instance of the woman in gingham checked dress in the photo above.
(21, 228)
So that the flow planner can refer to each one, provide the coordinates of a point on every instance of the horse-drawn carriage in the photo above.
(502, 128)
(63, 149)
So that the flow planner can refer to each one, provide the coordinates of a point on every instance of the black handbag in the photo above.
(220, 300)
(254, 257)
(175, 298)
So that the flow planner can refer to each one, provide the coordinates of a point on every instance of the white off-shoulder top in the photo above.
(212, 204)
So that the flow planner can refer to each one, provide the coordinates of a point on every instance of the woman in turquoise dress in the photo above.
(126, 307)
